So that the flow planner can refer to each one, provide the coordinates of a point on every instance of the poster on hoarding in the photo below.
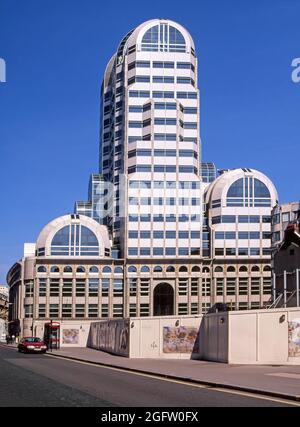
(294, 338)
(70, 336)
(179, 340)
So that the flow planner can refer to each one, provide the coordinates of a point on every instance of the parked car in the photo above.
(32, 344)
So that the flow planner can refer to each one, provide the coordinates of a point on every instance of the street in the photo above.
(30, 380)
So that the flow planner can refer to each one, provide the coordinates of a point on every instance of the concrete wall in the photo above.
(260, 336)
(72, 333)
(148, 337)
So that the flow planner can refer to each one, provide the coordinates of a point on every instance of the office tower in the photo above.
(149, 147)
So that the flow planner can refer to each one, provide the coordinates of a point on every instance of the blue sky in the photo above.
(56, 52)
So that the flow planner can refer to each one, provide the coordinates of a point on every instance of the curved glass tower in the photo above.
(150, 144)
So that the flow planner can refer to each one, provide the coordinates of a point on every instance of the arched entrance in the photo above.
(163, 300)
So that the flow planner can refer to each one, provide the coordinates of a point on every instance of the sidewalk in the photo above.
(276, 381)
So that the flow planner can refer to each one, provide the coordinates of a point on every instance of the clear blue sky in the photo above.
(56, 52)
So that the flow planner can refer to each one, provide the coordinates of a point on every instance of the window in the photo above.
(42, 311)
(54, 269)
(194, 308)
(74, 239)
(243, 286)
(187, 95)
(145, 269)
(132, 310)
(183, 308)
(79, 310)
(185, 80)
(106, 269)
(160, 64)
(267, 285)
(157, 269)
(28, 288)
(66, 310)
(93, 310)
(144, 287)
(67, 287)
(104, 310)
(93, 287)
(118, 270)
(219, 287)
(118, 310)
(68, 269)
(105, 287)
(162, 79)
(144, 310)
(80, 269)
(194, 287)
(248, 191)
(28, 310)
(54, 287)
(183, 286)
(206, 287)
(185, 66)
(131, 269)
(41, 269)
(230, 286)
(53, 310)
(80, 287)
(118, 287)
(170, 269)
(163, 38)
(139, 94)
(255, 286)
(164, 94)
(42, 287)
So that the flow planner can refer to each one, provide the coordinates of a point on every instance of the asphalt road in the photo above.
(30, 380)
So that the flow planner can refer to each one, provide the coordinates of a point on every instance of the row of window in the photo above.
(161, 64)
(94, 311)
(161, 251)
(163, 169)
(162, 106)
(160, 201)
(162, 94)
(161, 79)
(144, 152)
(164, 218)
(242, 251)
(135, 234)
(168, 185)
(242, 235)
(232, 219)
(161, 121)
(79, 269)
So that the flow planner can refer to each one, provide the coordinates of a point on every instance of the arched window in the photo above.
(170, 269)
(41, 269)
(131, 269)
(230, 269)
(183, 269)
(106, 269)
(205, 270)
(118, 270)
(75, 240)
(267, 268)
(243, 269)
(196, 269)
(157, 269)
(248, 192)
(54, 269)
(255, 268)
(218, 269)
(163, 38)
(80, 269)
(94, 269)
(68, 269)
(145, 269)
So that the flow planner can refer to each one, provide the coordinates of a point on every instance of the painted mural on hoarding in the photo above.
(70, 336)
(112, 336)
(294, 338)
(179, 340)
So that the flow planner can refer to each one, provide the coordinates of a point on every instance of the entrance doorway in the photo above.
(163, 300)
